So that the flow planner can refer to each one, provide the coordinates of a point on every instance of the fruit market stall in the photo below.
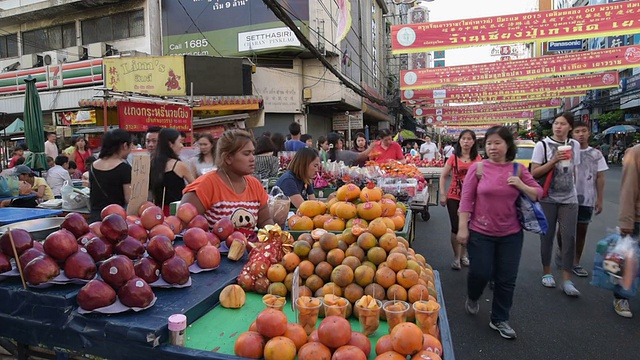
(10, 215)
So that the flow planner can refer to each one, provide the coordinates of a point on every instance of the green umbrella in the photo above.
(34, 127)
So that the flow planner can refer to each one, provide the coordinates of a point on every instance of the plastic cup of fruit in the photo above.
(427, 320)
(396, 312)
(336, 310)
(276, 302)
(369, 318)
(308, 315)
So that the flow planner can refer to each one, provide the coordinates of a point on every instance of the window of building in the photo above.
(8, 46)
(114, 27)
(51, 38)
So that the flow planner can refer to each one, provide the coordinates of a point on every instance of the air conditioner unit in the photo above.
(74, 53)
(98, 50)
(31, 60)
(51, 58)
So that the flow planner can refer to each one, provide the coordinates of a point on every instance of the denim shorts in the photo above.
(584, 214)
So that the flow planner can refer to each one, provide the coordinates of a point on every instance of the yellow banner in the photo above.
(154, 75)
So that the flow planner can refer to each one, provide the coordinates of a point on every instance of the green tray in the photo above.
(405, 232)
(208, 333)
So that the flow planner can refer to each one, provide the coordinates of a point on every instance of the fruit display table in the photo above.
(49, 318)
(10, 215)
(216, 340)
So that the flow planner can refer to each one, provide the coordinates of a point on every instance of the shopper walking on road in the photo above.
(466, 151)
(490, 227)
(590, 189)
(629, 218)
(561, 205)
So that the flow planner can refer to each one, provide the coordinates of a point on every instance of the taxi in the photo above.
(525, 152)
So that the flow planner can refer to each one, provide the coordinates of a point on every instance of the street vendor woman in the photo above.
(231, 191)
(297, 182)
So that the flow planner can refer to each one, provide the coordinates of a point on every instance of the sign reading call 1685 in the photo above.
(190, 47)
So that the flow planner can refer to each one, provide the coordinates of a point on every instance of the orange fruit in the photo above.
(312, 208)
(290, 261)
(390, 355)
(406, 338)
(318, 220)
(376, 255)
(306, 269)
(280, 348)
(377, 227)
(397, 261)
(271, 322)
(334, 224)
(407, 278)
(352, 262)
(348, 192)
(369, 210)
(353, 292)
(363, 275)
(397, 292)
(346, 210)
(366, 241)
(385, 277)
(316, 255)
(328, 241)
(314, 350)
(384, 344)
(371, 194)
(314, 282)
(300, 223)
(417, 292)
(276, 273)
(342, 275)
(335, 257)
(388, 207)
(323, 270)
(296, 333)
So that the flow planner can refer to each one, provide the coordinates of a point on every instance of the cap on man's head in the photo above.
(21, 170)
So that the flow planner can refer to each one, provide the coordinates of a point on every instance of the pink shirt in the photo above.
(491, 201)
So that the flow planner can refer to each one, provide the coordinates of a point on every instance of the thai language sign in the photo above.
(160, 75)
(486, 92)
(563, 24)
(135, 116)
(532, 68)
(483, 117)
(487, 108)
(499, 98)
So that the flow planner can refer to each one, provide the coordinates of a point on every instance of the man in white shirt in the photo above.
(448, 151)
(50, 146)
(428, 150)
(57, 175)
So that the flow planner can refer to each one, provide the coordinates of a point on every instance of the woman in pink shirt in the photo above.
(466, 153)
(490, 227)
(386, 149)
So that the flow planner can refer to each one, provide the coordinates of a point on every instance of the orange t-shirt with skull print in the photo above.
(219, 200)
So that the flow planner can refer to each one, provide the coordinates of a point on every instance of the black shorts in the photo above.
(452, 208)
(584, 214)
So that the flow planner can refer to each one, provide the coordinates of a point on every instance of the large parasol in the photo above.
(34, 127)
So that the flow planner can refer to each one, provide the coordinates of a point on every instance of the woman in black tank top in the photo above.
(169, 175)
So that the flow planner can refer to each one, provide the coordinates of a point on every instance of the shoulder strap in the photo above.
(174, 165)
(517, 171)
(544, 145)
(479, 170)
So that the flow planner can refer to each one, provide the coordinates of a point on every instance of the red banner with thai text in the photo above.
(485, 92)
(487, 108)
(532, 68)
(134, 116)
(480, 98)
(619, 18)
(482, 117)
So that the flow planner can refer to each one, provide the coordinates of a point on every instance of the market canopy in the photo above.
(33, 131)
(621, 129)
(17, 126)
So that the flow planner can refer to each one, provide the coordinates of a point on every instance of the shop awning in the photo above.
(205, 103)
(218, 120)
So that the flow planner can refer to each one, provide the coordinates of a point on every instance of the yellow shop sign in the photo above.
(154, 75)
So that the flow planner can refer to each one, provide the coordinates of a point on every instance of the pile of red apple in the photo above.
(417, 161)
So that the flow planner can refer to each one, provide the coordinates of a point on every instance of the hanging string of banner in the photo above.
(487, 108)
(532, 68)
(551, 25)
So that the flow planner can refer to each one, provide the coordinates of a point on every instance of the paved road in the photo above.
(549, 324)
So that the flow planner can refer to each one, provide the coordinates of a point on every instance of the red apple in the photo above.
(96, 294)
(21, 238)
(80, 266)
(41, 270)
(5, 264)
(94, 227)
(175, 271)
(117, 270)
(130, 247)
(186, 254)
(186, 212)
(144, 206)
(213, 239)
(136, 293)
(99, 249)
(147, 269)
(114, 228)
(75, 223)
(84, 239)
(208, 257)
(29, 255)
(60, 245)
(160, 248)
(199, 221)
(38, 245)
(195, 238)
(132, 219)
(139, 233)
(151, 217)
(113, 209)
(223, 228)
(162, 230)
(236, 235)
(174, 223)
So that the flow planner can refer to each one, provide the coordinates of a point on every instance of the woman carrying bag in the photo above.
(490, 227)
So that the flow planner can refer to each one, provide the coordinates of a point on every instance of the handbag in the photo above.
(530, 212)
(545, 180)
